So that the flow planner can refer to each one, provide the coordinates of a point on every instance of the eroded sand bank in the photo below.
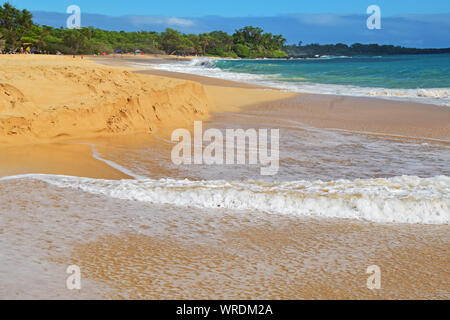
(49, 104)
(45, 99)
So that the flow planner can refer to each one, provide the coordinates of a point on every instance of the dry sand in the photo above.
(226, 95)
(45, 101)
(53, 98)
(367, 115)
(49, 99)
(50, 103)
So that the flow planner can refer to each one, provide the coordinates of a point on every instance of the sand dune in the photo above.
(46, 98)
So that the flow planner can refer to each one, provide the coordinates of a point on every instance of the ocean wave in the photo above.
(208, 67)
(327, 57)
(203, 62)
(437, 93)
(405, 199)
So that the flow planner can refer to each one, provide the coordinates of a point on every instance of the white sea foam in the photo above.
(96, 155)
(403, 199)
(207, 67)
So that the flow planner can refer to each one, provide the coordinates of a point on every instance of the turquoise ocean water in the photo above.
(392, 72)
(422, 78)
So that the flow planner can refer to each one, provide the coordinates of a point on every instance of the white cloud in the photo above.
(151, 20)
(179, 22)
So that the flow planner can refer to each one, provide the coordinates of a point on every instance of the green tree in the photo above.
(36, 36)
(205, 41)
(75, 39)
(14, 24)
(170, 40)
(252, 42)
(249, 36)
(242, 51)
(2, 42)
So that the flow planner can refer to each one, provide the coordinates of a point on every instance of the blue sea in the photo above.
(422, 78)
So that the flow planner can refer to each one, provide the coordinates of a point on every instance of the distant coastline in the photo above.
(356, 49)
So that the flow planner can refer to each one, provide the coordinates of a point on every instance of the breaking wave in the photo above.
(210, 67)
(405, 199)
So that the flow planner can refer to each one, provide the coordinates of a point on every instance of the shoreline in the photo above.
(366, 116)
(130, 248)
(430, 95)
(84, 109)
(362, 115)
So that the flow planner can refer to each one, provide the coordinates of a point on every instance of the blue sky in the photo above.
(409, 23)
(233, 8)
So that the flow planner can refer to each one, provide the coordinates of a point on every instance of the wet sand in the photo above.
(128, 249)
(362, 115)
(281, 258)
(359, 114)
(57, 158)
(365, 115)
(134, 250)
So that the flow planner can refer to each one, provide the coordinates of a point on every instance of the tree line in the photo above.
(356, 49)
(18, 30)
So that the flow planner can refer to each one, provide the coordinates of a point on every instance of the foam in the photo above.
(405, 199)
(207, 67)
(96, 155)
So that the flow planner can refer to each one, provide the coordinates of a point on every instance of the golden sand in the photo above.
(365, 115)
(65, 101)
(61, 101)
(46, 99)
(290, 259)
(55, 158)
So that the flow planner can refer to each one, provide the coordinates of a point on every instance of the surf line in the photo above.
(112, 164)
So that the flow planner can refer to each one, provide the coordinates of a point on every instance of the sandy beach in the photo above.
(89, 119)
(92, 99)
(89, 101)
(367, 115)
